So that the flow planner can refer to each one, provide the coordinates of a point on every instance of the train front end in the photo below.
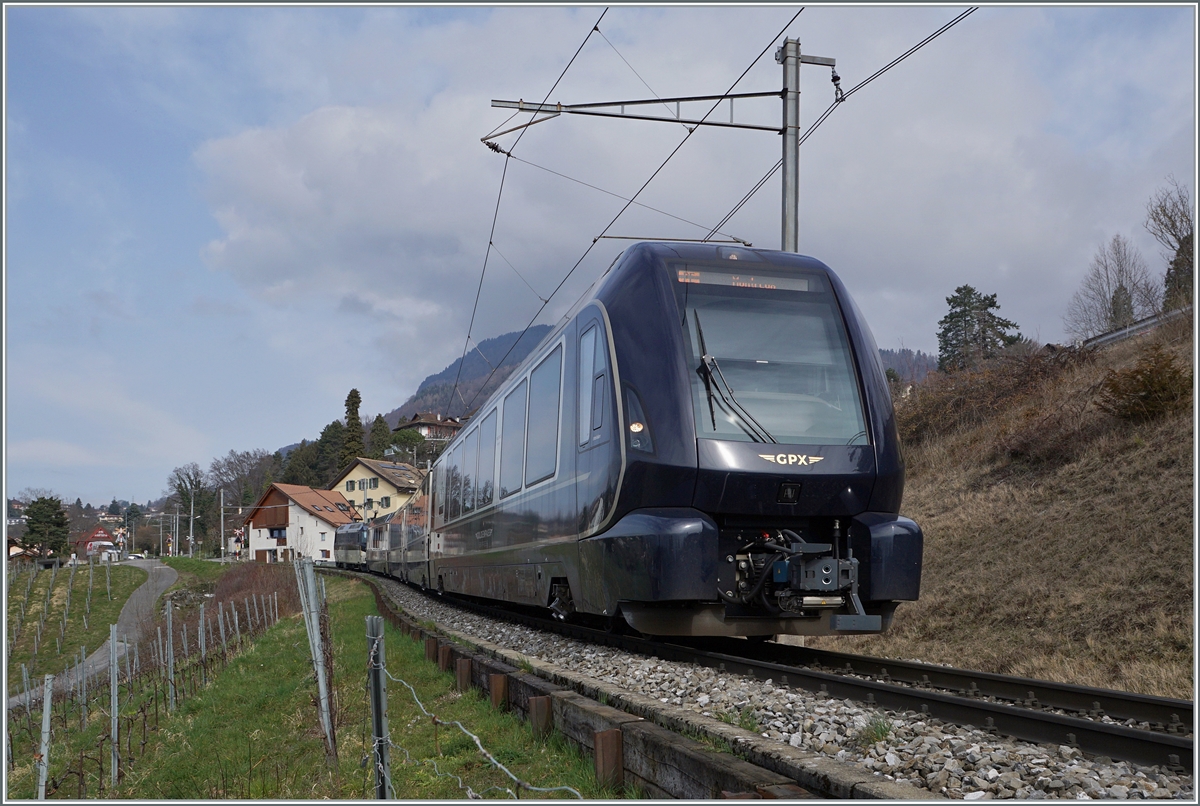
(784, 519)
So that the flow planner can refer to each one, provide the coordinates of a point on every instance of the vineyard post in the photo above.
(44, 756)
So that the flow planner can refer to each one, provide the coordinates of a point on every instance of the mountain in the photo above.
(434, 393)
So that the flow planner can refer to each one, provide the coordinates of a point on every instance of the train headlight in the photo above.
(639, 430)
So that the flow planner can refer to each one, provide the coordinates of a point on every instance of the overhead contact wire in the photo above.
(632, 199)
(829, 111)
(496, 215)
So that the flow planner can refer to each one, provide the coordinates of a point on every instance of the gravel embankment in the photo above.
(948, 759)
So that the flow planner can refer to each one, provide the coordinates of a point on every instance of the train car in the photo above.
(704, 446)
(382, 534)
(350, 546)
(408, 559)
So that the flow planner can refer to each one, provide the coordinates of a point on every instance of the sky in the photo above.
(220, 219)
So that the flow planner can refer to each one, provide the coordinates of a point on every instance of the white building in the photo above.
(291, 521)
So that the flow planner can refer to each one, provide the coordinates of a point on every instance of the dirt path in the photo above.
(134, 612)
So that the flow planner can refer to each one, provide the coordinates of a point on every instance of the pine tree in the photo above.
(380, 437)
(47, 525)
(352, 446)
(1121, 310)
(970, 333)
(331, 453)
(1177, 290)
(301, 467)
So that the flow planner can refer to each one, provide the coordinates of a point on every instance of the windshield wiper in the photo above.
(708, 364)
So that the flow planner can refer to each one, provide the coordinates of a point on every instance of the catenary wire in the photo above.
(617, 196)
(496, 212)
(829, 111)
(635, 72)
(630, 202)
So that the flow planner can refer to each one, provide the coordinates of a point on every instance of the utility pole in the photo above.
(191, 521)
(790, 57)
(222, 524)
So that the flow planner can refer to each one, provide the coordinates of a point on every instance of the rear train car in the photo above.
(705, 446)
(350, 546)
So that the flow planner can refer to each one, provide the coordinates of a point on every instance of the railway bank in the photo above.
(668, 751)
(926, 754)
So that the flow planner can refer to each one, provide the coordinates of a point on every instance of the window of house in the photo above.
(385, 502)
(343, 507)
(350, 486)
(487, 461)
(324, 554)
(512, 440)
(362, 484)
(541, 440)
(278, 532)
(322, 537)
(369, 503)
(374, 483)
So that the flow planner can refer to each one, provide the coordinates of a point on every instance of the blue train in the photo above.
(704, 446)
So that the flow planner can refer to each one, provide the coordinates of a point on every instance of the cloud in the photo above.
(101, 419)
(954, 167)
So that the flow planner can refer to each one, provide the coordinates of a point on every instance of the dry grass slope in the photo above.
(1058, 537)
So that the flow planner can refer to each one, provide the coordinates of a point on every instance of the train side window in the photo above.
(470, 457)
(512, 440)
(587, 362)
(487, 461)
(541, 439)
(593, 374)
(439, 495)
(454, 483)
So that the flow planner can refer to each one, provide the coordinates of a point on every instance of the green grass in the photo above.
(190, 568)
(253, 733)
(876, 730)
(104, 611)
(748, 720)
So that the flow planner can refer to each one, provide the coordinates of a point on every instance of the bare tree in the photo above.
(242, 474)
(1170, 220)
(1116, 292)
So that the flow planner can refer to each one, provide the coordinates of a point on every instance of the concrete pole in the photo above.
(170, 659)
(114, 703)
(222, 524)
(44, 761)
(789, 56)
(191, 523)
(377, 684)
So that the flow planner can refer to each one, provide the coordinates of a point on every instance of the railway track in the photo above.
(1152, 731)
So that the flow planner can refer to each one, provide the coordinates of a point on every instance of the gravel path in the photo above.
(950, 760)
(137, 609)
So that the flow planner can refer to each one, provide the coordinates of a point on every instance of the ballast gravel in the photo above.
(950, 760)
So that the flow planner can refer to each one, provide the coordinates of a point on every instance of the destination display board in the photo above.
(741, 279)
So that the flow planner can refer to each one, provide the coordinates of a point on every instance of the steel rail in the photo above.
(1163, 713)
(1018, 721)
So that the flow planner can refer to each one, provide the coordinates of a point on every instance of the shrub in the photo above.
(944, 401)
(1154, 386)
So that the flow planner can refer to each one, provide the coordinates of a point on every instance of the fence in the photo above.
(119, 702)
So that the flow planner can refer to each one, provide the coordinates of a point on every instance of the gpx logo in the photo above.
(791, 458)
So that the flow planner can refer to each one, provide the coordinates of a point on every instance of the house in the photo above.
(378, 488)
(291, 521)
(93, 542)
(433, 427)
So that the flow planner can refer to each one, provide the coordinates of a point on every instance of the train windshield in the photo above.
(770, 359)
